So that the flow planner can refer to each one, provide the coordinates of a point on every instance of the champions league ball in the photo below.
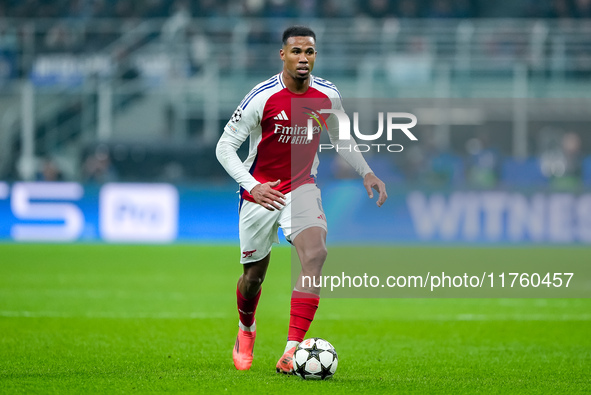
(315, 359)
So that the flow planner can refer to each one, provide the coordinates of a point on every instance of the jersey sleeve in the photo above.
(345, 147)
(242, 123)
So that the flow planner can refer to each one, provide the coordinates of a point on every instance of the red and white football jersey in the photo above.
(277, 127)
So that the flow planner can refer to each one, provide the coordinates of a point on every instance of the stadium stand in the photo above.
(94, 65)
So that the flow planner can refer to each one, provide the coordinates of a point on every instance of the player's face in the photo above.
(298, 55)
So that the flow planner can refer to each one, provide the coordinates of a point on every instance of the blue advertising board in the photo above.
(165, 213)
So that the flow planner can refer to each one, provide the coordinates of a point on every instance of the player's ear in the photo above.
(282, 54)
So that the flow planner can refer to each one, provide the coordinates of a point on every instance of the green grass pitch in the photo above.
(125, 319)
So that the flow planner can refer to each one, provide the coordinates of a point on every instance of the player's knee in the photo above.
(321, 255)
(315, 256)
(254, 279)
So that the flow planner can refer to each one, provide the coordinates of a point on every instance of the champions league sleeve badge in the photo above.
(237, 116)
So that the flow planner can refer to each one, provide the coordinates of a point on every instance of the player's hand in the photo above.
(371, 181)
(266, 196)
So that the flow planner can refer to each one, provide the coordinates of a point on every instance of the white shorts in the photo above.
(258, 226)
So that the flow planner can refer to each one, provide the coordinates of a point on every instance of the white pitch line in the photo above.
(59, 314)
(523, 317)
(479, 317)
(335, 317)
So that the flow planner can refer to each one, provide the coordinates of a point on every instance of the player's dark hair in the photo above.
(298, 31)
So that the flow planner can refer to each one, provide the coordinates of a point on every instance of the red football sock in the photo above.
(247, 307)
(303, 308)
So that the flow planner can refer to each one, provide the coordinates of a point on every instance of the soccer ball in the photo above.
(315, 359)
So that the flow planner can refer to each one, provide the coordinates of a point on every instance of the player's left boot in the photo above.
(242, 353)
(285, 363)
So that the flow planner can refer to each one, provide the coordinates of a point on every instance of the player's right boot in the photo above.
(285, 363)
(242, 353)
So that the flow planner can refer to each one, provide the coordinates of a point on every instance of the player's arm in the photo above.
(235, 133)
(371, 181)
(355, 159)
(266, 196)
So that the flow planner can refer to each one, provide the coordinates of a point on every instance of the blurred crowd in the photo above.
(561, 161)
(84, 9)
(558, 161)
